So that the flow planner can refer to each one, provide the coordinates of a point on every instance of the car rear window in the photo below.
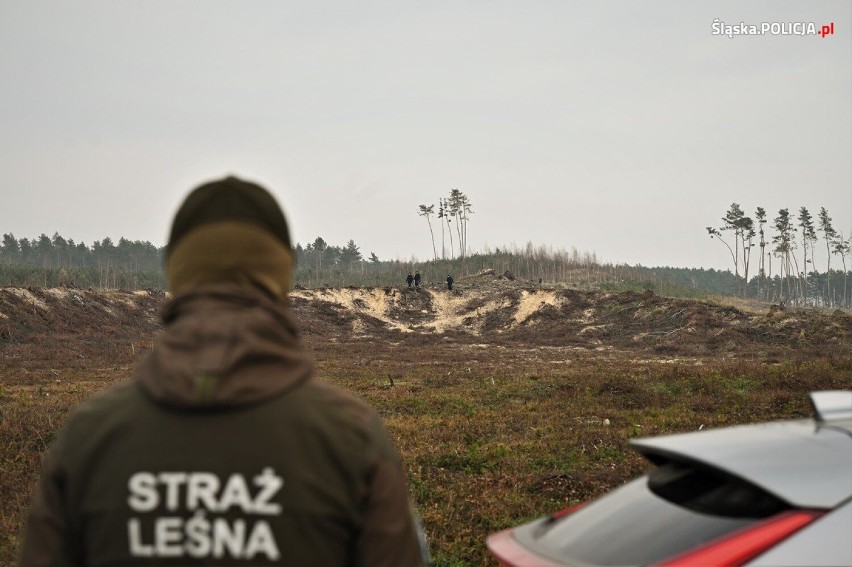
(654, 517)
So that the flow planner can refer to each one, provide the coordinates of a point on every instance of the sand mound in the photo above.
(487, 309)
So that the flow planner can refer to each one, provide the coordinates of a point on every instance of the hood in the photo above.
(224, 346)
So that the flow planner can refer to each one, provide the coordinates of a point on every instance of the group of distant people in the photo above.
(416, 278)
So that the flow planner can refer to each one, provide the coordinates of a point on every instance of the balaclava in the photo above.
(230, 231)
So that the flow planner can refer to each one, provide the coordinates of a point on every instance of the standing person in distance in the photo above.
(449, 282)
(409, 280)
(225, 449)
(417, 279)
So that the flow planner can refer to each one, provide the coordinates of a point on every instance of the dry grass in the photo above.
(33, 406)
(493, 437)
(493, 432)
(746, 305)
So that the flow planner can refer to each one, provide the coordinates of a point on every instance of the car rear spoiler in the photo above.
(832, 405)
(776, 456)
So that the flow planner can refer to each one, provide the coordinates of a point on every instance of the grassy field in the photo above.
(492, 434)
(493, 437)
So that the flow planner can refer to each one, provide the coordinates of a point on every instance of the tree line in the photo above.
(56, 261)
(319, 263)
(56, 251)
(800, 284)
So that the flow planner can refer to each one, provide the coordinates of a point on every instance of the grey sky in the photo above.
(622, 128)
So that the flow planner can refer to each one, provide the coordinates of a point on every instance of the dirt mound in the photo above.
(75, 324)
(494, 309)
(482, 309)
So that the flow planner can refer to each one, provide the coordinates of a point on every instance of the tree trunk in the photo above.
(458, 231)
(828, 297)
(432, 234)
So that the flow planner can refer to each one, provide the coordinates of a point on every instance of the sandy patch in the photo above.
(373, 302)
(531, 302)
(447, 308)
(57, 292)
(481, 312)
(126, 301)
(27, 296)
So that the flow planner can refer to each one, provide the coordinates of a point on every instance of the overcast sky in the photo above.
(622, 128)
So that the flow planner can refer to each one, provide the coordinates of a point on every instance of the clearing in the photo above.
(507, 400)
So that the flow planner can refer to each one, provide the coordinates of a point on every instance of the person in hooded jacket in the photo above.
(225, 448)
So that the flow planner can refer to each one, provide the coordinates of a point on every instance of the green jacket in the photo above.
(224, 450)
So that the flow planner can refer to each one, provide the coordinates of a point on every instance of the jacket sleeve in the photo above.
(391, 535)
(47, 537)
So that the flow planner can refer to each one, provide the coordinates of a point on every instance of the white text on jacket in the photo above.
(189, 501)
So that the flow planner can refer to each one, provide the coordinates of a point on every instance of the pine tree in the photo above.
(441, 215)
(732, 221)
(10, 250)
(466, 211)
(319, 247)
(350, 254)
(428, 212)
(784, 243)
(449, 216)
(454, 209)
(842, 247)
(806, 222)
(746, 227)
(760, 215)
(830, 236)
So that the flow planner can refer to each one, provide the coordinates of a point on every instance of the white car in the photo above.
(773, 494)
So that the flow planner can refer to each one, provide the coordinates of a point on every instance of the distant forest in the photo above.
(56, 261)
